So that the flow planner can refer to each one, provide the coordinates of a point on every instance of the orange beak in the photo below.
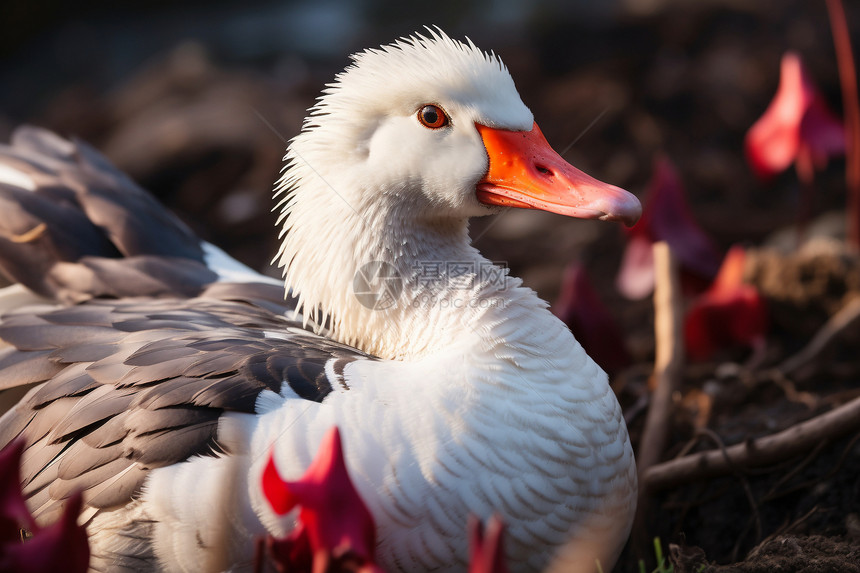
(526, 172)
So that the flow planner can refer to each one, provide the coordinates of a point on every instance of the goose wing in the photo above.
(133, 348)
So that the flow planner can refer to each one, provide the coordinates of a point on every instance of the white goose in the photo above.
(160, 373)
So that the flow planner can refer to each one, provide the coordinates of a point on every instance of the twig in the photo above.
(637, 408)
(789, 527)
(817, 479)
(756, 517)
(761, 451)
(703, 496)
(668, 316)
(827, 335)
(691, 443)
(813, 454)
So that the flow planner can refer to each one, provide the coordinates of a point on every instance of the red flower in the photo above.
(665, 217)
(729, 313)
(796, 127)
(335, 530)
(61, 546)
(486, 548)
(580, 307)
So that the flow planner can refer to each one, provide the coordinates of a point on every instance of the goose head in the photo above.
(409, 142)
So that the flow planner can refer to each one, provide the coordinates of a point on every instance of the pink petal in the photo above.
(730, 313)
(486, 548)
(334, 523)
(635, 278)
(796, 118)
(772, 142)
(580, 307)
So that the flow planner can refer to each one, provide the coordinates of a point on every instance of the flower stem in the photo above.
(848, 80)
(806, 175)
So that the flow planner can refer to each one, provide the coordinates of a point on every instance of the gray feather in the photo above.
(80, 458)
(149, 394)
(141, 351)
(62, 489)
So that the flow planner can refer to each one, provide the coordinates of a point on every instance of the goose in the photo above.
(148, 369)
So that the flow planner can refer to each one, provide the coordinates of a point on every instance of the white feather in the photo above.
(231, 270)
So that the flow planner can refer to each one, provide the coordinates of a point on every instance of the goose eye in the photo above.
(432, 116)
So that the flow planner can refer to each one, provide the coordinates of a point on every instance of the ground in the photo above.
(202, 122)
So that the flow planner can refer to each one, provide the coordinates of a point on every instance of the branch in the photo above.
(844, 320)
(755, 452)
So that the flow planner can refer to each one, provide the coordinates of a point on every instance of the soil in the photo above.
(809, 554)
(201, 119)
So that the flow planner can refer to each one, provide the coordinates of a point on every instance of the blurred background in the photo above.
(170, 91)
(174, 92)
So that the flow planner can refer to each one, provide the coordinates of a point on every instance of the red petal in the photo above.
(797, 117)
(672, 221)
(62, 546)
(731, 274)
(822, 133)
(665, 217)
(291, 554)
(333, 516)
(275, 490)
(580, 307)
(13, 510)
(486, 548)
(730, 313)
